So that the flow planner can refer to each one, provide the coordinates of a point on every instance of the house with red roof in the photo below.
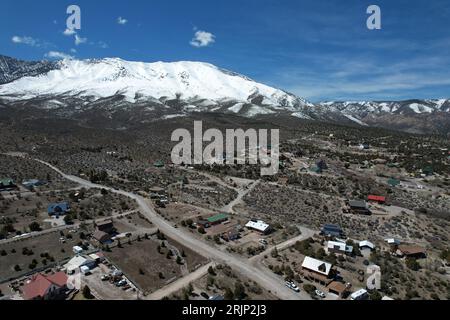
(45, 287)
(379, 199)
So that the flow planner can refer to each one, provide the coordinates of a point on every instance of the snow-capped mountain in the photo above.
(363, 108)
(193, 82)
(163, 90)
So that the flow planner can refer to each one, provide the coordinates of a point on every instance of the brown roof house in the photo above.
(101, 237)
(45, 287)
(338, 288)
(411, 251)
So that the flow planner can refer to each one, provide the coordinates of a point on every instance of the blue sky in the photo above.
(320, 50)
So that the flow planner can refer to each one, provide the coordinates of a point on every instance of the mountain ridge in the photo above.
(197, 87)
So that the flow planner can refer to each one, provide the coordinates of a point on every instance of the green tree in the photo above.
(239, 291)
(34, 226)
(211, 271)
(87, 293)
(274, 253)
(68, 219)
(412, 264)
(228, 295)
(201, 230)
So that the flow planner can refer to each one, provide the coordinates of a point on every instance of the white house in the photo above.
(259, 226)
(365, 244)
(339, 247)
(392, 241)
(79, 261)
(317, 266)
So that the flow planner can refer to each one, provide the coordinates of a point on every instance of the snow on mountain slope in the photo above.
(362, 108)
(164, 90)
(184, 80)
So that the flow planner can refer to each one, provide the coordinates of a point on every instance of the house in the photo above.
(204, 223)
(338, 288)
(29, 184)
(317, 270)
(157, 193)
(411, 251)
(231, 235)
(393, 182)
(358, 207)
(258, 225)
(45, 287)
(365, 244)
(218, 218)
(79, 261)
(332, 230)
(377, 199)
(361, 294)
(316, 169)
(158, 164)
(7, 184)
(427, 171)
(56, 209)
(392, 241)
(101, 237)
(106, 226)
(339, 247)
(364, 146)
(97, 257)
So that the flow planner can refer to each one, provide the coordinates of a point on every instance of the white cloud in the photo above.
(58, 55)
(73, 50)
(202, 39)
(103, 45)
(69, 32)
(79, 40)
(121, 20)
(26, 40)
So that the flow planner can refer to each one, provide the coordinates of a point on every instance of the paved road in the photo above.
(264, 277)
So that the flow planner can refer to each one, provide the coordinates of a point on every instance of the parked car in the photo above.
(121, 283)
(205, 295)
(105, 277)
(291, 285)
(320, 293)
